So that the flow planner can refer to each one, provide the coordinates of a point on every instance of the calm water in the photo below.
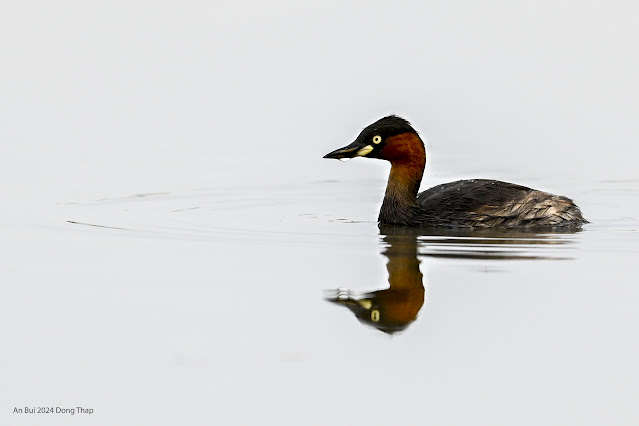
(176, 251)
(284, 304)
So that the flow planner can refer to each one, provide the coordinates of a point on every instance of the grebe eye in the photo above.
(377, 139)
(375, 315)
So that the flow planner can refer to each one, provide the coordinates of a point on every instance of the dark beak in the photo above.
(345, 297)
(349, 151)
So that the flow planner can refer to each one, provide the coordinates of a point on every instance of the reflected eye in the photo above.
(377, 139)
(375, 315)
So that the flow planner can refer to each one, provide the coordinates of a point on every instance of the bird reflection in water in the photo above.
(393, 309)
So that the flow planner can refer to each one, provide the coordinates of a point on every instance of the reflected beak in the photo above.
(356, 302)
(356, 149)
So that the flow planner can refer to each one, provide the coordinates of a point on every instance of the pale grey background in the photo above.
(207, 309)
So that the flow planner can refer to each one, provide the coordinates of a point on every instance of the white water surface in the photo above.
(169, 229)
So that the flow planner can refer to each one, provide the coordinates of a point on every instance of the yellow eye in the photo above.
(375, 315)
(377, 139)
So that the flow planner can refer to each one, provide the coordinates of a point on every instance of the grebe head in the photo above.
(390, 138)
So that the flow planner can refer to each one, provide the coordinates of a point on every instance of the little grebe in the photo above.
(478, 203)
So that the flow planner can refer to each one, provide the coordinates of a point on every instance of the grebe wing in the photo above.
(472, 193)
(487, 203)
